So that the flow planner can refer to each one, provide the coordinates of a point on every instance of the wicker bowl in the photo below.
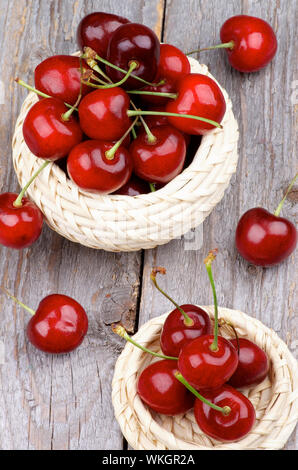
(124, 223)
(275, 399)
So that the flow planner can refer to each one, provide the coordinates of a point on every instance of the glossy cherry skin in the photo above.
(134, 187)
(264, 239)
(173, 63)
(46, 134)
(198, 95)
(60, 77)
(254, 40)
(161, 161)
(161, 391)
(176, 334)
(154, 100)
(91, 170)
(232, 427)
(103, 114)
(59, 325)
(19, 226)
(205, 369)
(133, 42)
(253, 364)
(96, 29)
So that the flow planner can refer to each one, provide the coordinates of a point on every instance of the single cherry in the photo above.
(60, 77)
(134, 187)
(209, 361)
(167, 86)
(253, 364)
(198, 95)
(133, 42)
(59, 324)
(50, 131)
(229, 426)
(263, 238)
(159, 157)
(182, 325)
(96, 29)
(173, 63)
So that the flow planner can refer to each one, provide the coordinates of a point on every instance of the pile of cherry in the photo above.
(201, 369)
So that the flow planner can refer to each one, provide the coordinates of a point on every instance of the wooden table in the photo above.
(64, 402)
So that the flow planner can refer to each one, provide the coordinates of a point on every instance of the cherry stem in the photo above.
(187, 320)
(208, 263)
(110, 154)
(66, 116)
(225, 45)
(153, 189)
(223, 322)
(120, 331)
(94, 66)
(40, 93)
(134, 134)
(130, 112)
(225, 410)
(153, 93)
(30, 310)
(18, 201)
(150, 137)
(133, 66)
(280, 205)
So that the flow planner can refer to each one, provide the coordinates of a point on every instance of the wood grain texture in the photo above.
(64, 402)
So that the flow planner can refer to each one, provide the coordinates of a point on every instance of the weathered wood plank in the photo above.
(266, 115)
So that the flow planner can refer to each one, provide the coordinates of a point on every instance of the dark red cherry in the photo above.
(176, 333)
(59, 324)
(254, 42)
(204, 368)
(173, 63)
(198, 95)
(133, 42)
(253, 364)
(103, 114)
(60, 77)
(161, 391)
(154, 100)
(90, 168)
(47, 134)
(264, 239)
(225, 427)
(159, 161)
(157, 120)
(19, 226)
(96, 29)
(134, 187)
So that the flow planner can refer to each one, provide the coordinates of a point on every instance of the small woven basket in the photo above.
(275, 399)
(125, 223)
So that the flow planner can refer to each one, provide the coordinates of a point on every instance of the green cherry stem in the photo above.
(208, 263)
(66, 116)
(40, 93)
(110, 154)
(130, 112)
(280, 205)
(18, 201)
(225, 410)
(187, 320)
(153, 189)
(30, 310)
(153, 93)
(226, 45)
(120, 331)
(133, 66)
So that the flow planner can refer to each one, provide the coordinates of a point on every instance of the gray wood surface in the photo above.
(64, 402)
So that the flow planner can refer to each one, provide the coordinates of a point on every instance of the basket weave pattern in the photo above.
(123, 223)
(275, 399)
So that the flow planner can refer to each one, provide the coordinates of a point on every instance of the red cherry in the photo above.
(96, 29)
(159, 161)
(103, 114)
(90, 168)
(60, 77)
(134, 187)
(46, 133)
(225, 427)
(153, 121)
(204, 368)
(59, 325)
(254, 41)
(19, 226)
(159, 389)
(176, 333)
(155, 100)
(198, 95)
(138, 43)
(263, 238)
(173, 63)
(253, 364)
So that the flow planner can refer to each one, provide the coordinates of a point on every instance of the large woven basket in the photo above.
(123, 223)
(275, 399)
